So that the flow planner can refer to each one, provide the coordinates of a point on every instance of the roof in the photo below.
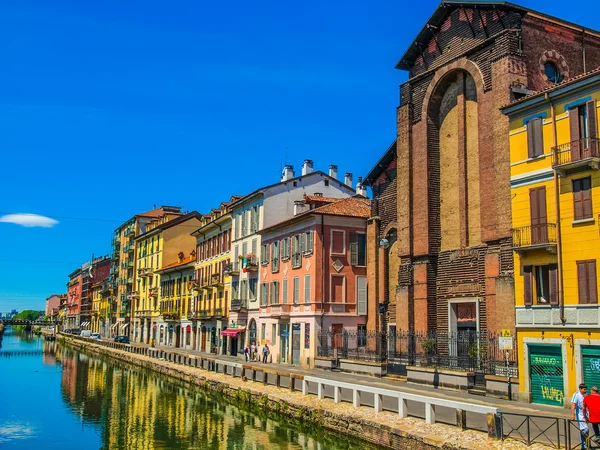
(188, 260)
(446, 7)
(319, 199)
(380, 165)
(356, 206)
(172, 223)
(565, 83)
(264, 188)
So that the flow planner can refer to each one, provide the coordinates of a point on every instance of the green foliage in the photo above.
(28, 314)
(428, 346)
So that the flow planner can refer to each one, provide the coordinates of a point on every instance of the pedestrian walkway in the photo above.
(504, 406)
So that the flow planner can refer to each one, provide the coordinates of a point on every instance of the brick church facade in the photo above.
(439, 239)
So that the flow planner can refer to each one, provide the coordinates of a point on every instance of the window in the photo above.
(284, 291)
(243, 290)
(263, 331)
(582, 198)
(307, 335)
(361, 333)
(264, 254)
(296, 293)
(244, 224)
(586, 282)
(275, 256)
(338, 242)
(285, 249)
(264, 294)
(361, 295)
(358, 249)
(253, 282)
(326, 182)
(307, 243)
(535, 138)
(539, 226)
(296, 255)
(540, 285)
(274, 297)
(338, 289)
(254, 246)
(552, 72)
(274, 335)
(307, 298)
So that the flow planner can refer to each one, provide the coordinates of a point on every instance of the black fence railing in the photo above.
(553, 432)
(575, 151)
(468, 351)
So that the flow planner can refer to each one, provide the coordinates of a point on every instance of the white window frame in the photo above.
(331, 276)
(357, 297)
(331, 241)
(305, 239)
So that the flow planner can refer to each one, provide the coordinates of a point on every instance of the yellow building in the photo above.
(555, 185)
(177, 302)
(163, 239)
(213, 281)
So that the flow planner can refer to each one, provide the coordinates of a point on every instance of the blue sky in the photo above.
(111, 107)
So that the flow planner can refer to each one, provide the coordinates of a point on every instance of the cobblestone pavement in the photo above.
(439, 435)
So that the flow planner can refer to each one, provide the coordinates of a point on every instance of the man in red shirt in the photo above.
(591, 410)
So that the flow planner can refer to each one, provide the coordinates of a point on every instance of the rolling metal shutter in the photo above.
(546, 374)
(591, 366)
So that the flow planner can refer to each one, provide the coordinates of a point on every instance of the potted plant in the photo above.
(428, 346)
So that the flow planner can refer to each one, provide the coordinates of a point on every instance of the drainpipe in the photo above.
(561, 301)
(322, 270)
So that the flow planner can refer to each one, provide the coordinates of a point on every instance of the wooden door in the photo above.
(337, 330)
(539, 228)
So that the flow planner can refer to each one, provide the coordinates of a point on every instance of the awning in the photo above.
(85, 324)
(112, 327)
(232, 332)
(124, 328)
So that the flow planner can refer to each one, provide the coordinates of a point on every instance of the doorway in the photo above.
(284, 338)
(296, 344)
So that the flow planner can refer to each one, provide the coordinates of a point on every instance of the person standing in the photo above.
(265, 353)
(591, 410)
(253, 351)
(577, 414)
(247, 352)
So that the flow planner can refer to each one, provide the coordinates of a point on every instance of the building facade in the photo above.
(73, 304)
(213, 281)
(440, 250)
(555, 184)
(262, 208)
(312, 278)
(53, 305)
(165, 237)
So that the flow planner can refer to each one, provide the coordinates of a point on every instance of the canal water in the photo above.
(54, 397)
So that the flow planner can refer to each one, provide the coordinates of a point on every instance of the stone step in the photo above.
(477, 391)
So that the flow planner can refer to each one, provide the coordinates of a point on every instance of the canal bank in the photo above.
(383, 428)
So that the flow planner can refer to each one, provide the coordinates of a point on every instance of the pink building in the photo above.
(312, 277)
(53, 304)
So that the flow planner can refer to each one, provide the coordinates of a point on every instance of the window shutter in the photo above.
(361, 295)
(353, 249)
(592, 286)
(302, 238)
(592, 121)
(586, 197)
(577, 199)
(553, 282)
(535, 139)
(296, 290)
(530, 140)
(581, 281)
(284, 291)
(527, 281)
(307, 289)
(574, 123)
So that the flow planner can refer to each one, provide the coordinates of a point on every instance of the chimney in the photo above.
(307, 167)
(333, 171)
(348, 179)
(300, 207)
(288, 173)
(360, 189)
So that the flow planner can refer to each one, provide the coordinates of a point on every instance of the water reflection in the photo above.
(135, 409)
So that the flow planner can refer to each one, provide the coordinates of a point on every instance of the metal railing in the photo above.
(575, 151)
(532, 235)
(468, 351)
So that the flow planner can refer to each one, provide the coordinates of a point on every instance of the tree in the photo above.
(28, 314)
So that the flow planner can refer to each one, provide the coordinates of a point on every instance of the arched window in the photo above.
(552, 72)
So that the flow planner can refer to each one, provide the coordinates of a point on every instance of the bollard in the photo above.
(461, 419)
(429, 413)
(356, 398)
(402, 408)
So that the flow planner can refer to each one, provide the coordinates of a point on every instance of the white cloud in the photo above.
(29, 220)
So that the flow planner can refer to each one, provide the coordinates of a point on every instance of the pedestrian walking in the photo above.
(578, 414)
(591, 410)
(253, 350)
(247, 352)
(265, 353)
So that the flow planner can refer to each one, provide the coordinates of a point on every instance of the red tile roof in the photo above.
(157, 212)
(185, 261)
(319, 199)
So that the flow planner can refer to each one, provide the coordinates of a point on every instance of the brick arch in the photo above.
(390, 226)
(462, 64)
(556, 58)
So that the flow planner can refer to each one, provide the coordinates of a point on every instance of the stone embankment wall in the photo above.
(361, 423)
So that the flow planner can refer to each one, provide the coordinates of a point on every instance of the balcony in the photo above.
(134, 294)
(280, 310)
(535, 237)
(129, 280)
(129, 248)
(252, 264)
(215, 280)
(205, 283)
(240, 305)
(231, 269)
(197, 286)
(116, 239)
(129, 232)
(576, 154)
(170, 315)
(218, 313)
(153, 292)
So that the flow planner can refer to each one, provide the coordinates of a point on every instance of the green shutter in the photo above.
(546, 374)
(591, 365)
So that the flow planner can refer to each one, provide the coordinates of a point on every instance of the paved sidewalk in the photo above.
(504, 406)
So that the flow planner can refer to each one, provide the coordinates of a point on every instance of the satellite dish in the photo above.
(384, 243)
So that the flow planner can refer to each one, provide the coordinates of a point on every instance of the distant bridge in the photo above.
(37, 323)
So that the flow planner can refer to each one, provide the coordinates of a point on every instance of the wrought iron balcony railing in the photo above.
(576, 153)
(541, 235)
